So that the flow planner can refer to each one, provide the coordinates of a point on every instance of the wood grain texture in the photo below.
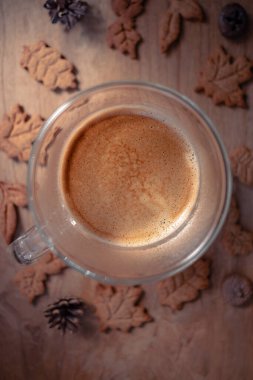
(207, 339)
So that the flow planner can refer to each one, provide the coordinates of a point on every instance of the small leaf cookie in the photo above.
(31, 280)
(46, 65)
(122, 34)
(170, 29)
(222, 76)
(185, 286)
(118, 307)
(128, 8)
(235, 239)
(18, 130)
(242, 164)
(11, 195)
(172, 21)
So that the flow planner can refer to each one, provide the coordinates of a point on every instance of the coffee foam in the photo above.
(130, 179)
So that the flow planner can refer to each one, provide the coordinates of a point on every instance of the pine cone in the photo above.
(65, 314)
(67, 12)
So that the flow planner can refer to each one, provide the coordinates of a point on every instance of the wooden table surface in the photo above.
(208, 339)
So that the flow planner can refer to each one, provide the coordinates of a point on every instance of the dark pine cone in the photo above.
(65, 314)
(67, 12)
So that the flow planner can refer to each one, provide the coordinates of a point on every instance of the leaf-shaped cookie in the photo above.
(185, 286)
(169, 29)
(222, 76)
(121, 35)
(118, 308)
(18, 130)
(128, 8)
(11, 195)
(46, 64)
(237, 241)
(171, 21)
(31, 280)
(188, 9)
(242, 164)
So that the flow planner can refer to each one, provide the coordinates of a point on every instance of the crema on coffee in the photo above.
(129, 178)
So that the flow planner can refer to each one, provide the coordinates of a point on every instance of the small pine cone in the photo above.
(65, 314)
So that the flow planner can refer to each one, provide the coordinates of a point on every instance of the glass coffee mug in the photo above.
(56, 228)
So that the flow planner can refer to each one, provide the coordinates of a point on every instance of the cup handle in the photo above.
(28, 247)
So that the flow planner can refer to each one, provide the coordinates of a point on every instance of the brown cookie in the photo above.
(242, 164)
(235, 239)
(118, 307)
(188, 9)
(31, 280)
(46, 65)
(122, 34)
(169, 29)
(172, 21)
(185, 286)
(18, 130)
(237, 290)
(128, 8)
(222, 76)
(11, 195)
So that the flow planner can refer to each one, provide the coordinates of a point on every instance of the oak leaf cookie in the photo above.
(128, 8)
(235, 239)
(31, 280)
(122, 34)
(222, 76)
(118, 307)
(242, 164)
(46, 65)
(172, 21)
(11, 195)
(18, 130)
(185, 286)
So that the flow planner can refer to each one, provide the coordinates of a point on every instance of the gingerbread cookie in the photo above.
(118, 307)
(11, 195)
(122, 34)
(31, 280)
(222, 76)
(18, 130)
(172, 21)
(46, 65)
(242, 164)
(185, 286)
(235, 239)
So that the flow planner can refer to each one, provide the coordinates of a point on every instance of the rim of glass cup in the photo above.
(191, 258)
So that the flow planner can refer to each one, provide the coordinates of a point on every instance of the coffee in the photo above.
(129, 178)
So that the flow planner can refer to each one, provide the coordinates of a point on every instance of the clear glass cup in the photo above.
(57, 230)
